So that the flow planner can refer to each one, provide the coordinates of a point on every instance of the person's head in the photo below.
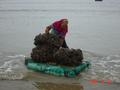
(64, 23)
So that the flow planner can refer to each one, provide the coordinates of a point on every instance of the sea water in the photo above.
(93, 27)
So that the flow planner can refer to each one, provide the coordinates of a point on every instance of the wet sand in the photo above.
(89, 86)
(37, 81)
(16, 85)
(54, 86)
(30, 85)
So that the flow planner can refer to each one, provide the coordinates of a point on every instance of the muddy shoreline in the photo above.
(30, 85)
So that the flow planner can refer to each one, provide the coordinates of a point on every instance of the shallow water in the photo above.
(93, 27)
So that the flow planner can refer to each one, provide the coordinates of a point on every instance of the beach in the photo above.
(93, 28)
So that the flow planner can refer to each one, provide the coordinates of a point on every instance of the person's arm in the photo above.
(48, 28)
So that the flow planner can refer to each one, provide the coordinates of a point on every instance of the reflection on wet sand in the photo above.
(54, 86)
(49, 82)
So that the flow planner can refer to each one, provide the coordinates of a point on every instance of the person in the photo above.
(59, 28)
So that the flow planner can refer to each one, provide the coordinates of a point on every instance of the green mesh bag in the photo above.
(56, 70)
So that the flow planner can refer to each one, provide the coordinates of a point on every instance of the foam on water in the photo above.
(104, 68)
(13, 68)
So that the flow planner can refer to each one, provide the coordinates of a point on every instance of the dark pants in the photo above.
(64, 44)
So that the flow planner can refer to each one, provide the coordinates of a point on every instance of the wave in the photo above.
(104, 68)
(13, 68)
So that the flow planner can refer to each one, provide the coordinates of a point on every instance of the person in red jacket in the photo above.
(59, 28)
